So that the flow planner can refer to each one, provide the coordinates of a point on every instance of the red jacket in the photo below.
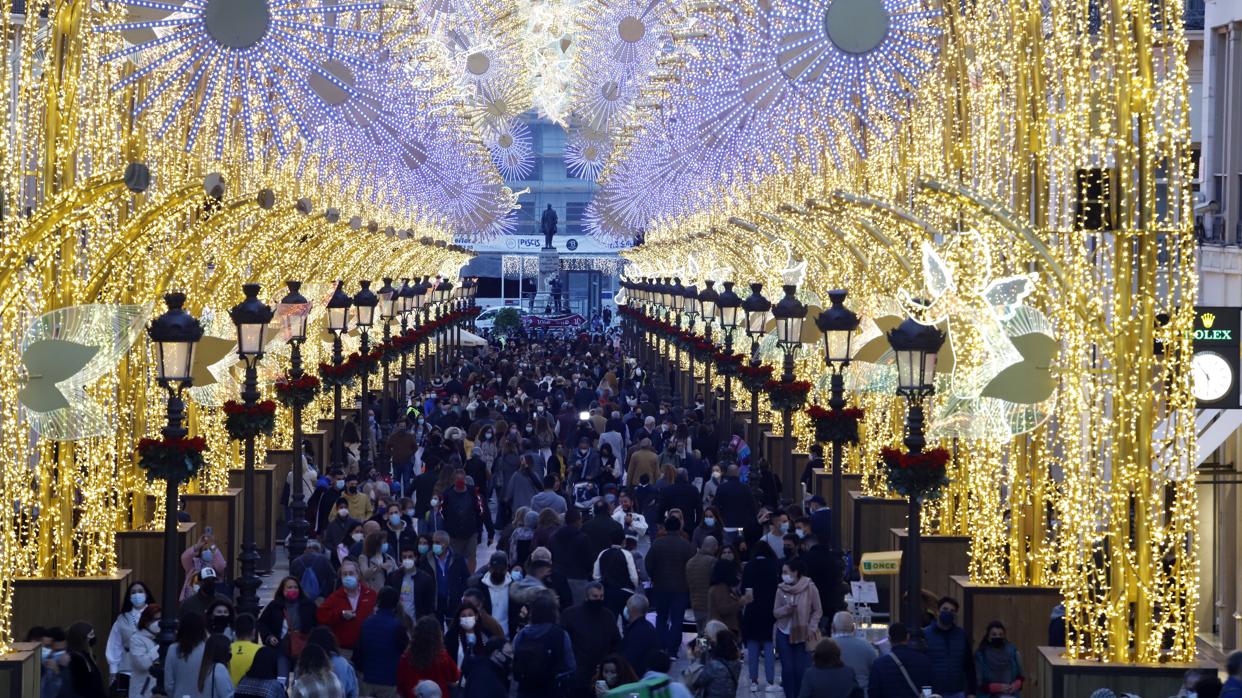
(443, 671)
(346, 631)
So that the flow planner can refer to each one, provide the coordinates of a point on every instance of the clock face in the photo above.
(1212, 374)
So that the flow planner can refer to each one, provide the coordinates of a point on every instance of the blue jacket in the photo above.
(380, 644)
(886, 679)
(952, 659)
(1232, 688)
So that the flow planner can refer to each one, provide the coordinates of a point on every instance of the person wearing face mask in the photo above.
(797, 611)
(339, 525)
(201, 555)
(593, 634)
(123, 629)
(998, 667)
(493, 584)
(485, 446)
(360, 505)
(380, 645)
(345, 609)
(948, 647)
(206, 592)
(85, 680)
(711, 484)
(220, 615)
(400, 535)
(375, 563)
(448, 571)
(416, 588)
(466, 636)
(463, 518)
(778, 526)
(712, 525)
(285, 622)
(760, 578)
(144, 652)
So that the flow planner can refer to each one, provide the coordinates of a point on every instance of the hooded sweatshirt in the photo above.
(499, 594)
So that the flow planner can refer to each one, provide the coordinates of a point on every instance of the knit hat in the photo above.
(541, 553)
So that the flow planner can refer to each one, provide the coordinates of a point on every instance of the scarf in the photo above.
(999, 664)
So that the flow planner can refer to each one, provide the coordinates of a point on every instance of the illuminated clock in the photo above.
(1212, 374)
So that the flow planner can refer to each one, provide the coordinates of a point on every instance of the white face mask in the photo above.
(357, 537)
(467, 622)
(342, 513)
(408, 563)
(787, 578)
(435, 502)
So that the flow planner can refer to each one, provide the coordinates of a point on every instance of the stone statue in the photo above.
(548, 227)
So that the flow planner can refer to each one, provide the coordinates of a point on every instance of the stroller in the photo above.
(586, 494)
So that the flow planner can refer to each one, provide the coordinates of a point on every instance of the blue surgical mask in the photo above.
(423, 548)
(138, 599)
(394, 519)
(207, 555)
(340, 484)
(800, 533)
(516, 575)
(610, 498)
(785, 527)
(437, 549)
(709, 521)
(349, 581)
(383, 548)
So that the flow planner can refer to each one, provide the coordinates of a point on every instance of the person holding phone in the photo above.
(202, 554)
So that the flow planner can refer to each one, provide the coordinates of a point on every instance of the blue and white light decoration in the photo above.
(586, 151)
(238, 61)
(512, 148)
(768, 86)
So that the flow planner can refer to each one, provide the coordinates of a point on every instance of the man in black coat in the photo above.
(570, 549)
(415, 586)
(826, 571)
(734, 500)
(887, 679)
(640, 635)
(682, 495)
(593, 634)
(599, 529)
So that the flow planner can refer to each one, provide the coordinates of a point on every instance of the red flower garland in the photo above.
(244, 421)
(755, 377)
(171, 460)
(299, 392)
(787, 395)
(916, 475)
(835, 426)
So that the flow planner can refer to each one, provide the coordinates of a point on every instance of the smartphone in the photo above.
(207, 531)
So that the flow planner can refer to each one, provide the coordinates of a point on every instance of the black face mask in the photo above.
(207, 587)
(220, 623)
(789, 553)
(594, 604)
(997, 642)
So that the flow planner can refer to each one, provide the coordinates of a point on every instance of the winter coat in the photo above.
(949, 651)
(143, 652)
(593, 634)
(666, 563)
(887, 680)
(420, 598)
(735, 503)
(272, 620)
(763, 575)
(380, 644)
(723, 605)
(346, 630)
(829, 682)
(373, 572)
(181, 673)
(521, 488)
(699, 578)
(718, 679)
(799, 603)
(640, 637)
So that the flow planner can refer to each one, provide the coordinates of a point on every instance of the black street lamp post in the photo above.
(707, 308)
(293, 318)
(838, 325)
(690, 306)
(789, 313)
(365, 301)
(252, 318)
(338, 323)
(677, 297)
(388, 300)
(729, 307)
(405, 306)
(174, 336)
(915, 346)
(756, 308)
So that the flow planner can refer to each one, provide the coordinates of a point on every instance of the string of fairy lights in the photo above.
(933, 151)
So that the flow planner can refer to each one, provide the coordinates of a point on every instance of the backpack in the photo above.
(309, 583)
(536, 661)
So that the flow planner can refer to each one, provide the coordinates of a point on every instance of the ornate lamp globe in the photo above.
(338, 309)
(365, 301)
(175, 333)
(729, 307)
(421, 291)
(756, 308)
(677, 295)
(293, 319)
(708, 300)
(387, 300)
(690, 301)
(916, 346)
(790, 313)
(838, 324)
(405, 297)
(252, 317)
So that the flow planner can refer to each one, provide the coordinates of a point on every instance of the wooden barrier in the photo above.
(223, 513)
(874, 518)
(266, 503)
(822, 483)
(1058, 677)
(63, 601)
(1025, 611)
(20, 670)
(142, 552)
(942, 557)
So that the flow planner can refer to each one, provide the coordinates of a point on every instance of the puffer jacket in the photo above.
(718, 679)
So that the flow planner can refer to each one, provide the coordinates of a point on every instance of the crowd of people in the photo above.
(544, 520)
